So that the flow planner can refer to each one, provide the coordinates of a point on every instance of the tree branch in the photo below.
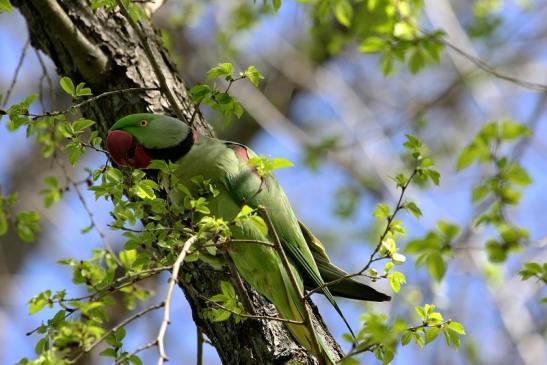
(167, 302)
(152, 59)
(89, 58)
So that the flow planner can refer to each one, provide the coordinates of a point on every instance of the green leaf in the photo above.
(434, 176)
(227, 289)
(128, 257)
(386, 63)
(412, 143)
(419, 340)
(3, 222)
(413, 208)
(200, 92)
(381, 211)
(81, 90)
(511, 130)
(471, 153)
(406, 338)
(436, 265)
(82, 124)
(259, 223)
(533, 267)
(253, 75)
(421, 312)
(496, 252)
(373, 45)
(401, 180)
(26, 224)
(5, 6)
(52, 194)
(456, 327)
(144, 189)
(448, 229)
(120, 333)
(68, 86)
(75, 150)
(431, 333)
(264, 165)
(489, 132)
(451, 337)
(396, 278)
(480, 192)
(518, 175)
(38, 302)
(343, 12)
(276, 4)
(349, 361)
(18, 113)
(416, 61)
(280, 163)
(222, 69)
(135, 360)
(109, 352)
(403, 30)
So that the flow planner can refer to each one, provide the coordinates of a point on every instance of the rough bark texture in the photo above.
(102, 50)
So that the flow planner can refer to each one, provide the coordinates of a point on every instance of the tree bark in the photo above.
(101, 49)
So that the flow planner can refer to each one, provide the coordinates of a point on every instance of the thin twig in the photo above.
(372, 259)
(390, 219)
(110, 93)
(100, 96)
(115, 328)
(133, 279)
(372, 346)
(151, 58)
(87, 101)
(287, 266)
(167, 302)
(199, 335)
(121, 283)
(532, 124)
(140, 349)
(89, 212)
(45, 75)
(16, 73)
(234, 275)
(244, 315)
(52, 322)
(97, 149)
(492, 71)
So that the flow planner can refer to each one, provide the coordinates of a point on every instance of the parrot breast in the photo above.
(125, 150)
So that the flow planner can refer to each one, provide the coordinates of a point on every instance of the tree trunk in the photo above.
(102, 50)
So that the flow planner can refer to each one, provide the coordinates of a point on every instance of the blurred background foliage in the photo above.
(344, 81)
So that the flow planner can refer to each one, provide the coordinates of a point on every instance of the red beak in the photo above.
(126, 150)
(119, 143)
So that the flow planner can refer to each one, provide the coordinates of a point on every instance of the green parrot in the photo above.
(137, 139)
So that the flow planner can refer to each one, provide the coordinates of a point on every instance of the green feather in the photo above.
(159, 131)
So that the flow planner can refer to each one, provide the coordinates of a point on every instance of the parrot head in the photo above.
(137, 139)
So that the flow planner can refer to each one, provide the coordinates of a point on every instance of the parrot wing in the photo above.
(248, 187)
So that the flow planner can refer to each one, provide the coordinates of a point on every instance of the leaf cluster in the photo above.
(220, 100)
(500, 189)
(26, 223)
(382, 338)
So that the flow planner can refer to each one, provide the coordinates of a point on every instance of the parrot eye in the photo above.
(143, 123)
